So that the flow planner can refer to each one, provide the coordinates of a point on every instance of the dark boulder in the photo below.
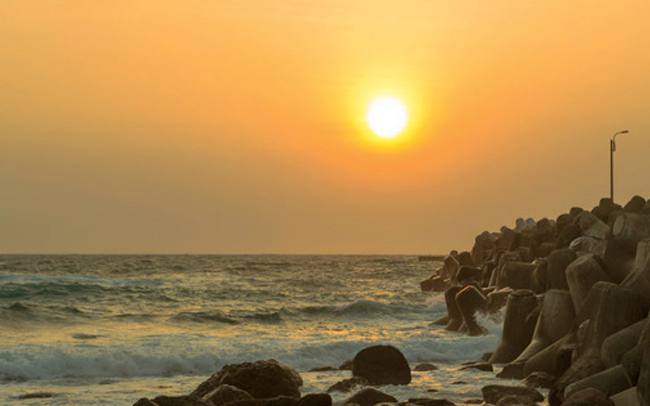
(493, 393)
(382, 365)
(425, 367)
(347, 385)
(315, 399)
(540, 380)
(370, 397)
(180, 401)
(262, 379)
(427, 402)
(588, 397)
(225, 394)
(275, 401)
(145, 402)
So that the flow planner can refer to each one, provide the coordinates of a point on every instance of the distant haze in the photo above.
(238, 126)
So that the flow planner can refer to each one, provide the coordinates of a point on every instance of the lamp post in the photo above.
(612, 148)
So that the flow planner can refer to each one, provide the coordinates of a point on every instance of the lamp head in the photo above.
(624, 132)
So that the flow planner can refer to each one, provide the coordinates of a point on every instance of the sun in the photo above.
(387, 116)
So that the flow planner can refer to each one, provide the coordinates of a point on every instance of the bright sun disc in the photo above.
(387, 116)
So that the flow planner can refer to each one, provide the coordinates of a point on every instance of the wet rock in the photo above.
(346, 366)
(588, 397)
(323, 369)
(370, 397)
(262, 379)
(275, 401)
(469, 300)
(540, 380)
(493, 393)
(429, 402)
(225, 394)
(37, 395)
(382, 365)
(315, 399)
(481, 366)
(347, 385)
(425, 367)
(434, 284)
(145, 402)
(190, 400)
(516, 400)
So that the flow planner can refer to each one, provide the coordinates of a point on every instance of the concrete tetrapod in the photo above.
(554, 321)
(469, 300)
(453, 311)
(517, 275)
(612, 308)
(517, 326)
(609, 381)
(616, 345)
(630, 228)
(558, 262)
(582, 274)
(639, 278)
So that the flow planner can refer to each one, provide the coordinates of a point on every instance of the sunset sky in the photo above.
(239, 126)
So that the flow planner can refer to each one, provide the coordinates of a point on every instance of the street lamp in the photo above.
(612, 148)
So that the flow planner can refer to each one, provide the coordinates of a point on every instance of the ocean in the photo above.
(110, 329)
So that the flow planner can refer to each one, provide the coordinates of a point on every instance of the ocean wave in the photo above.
(204, 316)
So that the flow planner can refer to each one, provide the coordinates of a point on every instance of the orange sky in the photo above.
(238, 127)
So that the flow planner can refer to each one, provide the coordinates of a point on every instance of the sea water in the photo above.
(110, 329)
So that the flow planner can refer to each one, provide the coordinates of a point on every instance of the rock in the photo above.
(347, 385)
(315, 399)
(434, 284)
(382, 365)
(145, 402)
(568, 234)
(469, 300)
(429, 402)
(639, 279)
(643, 384)
(425, 367)
(225, 394)
(554, 359)
(481, 366)
(515, 400)
(540, 380)
(370, 397)
(635, 205)
(493, 393)
(459, 383)
(618, 262)
(262, 379)
(630, 228)
(609, 382)
(38, 395)
(582, 274)
(190, 400)
(555, 319)
(323, 369)
(617, 344)
(455, 316)
(592, 226)
(558, 262)
(517, 327)
(275, 401)
(517, 275)
(513, 370)
(610, 308)
(588, 397)
(469, 273)
(346, 366)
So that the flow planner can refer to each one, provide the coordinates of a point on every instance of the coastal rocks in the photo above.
(611, 308)
(261, 379)
(145, 402)
(427, 402)
(481, 366)
(609, 382)
(493, 393)
(425, 367)
(540, 380)
(315, 399)
(554, 321)
(382, 365)
(226, 394)
(630, 228)
(517, 327)
(369, 397)
(190, 400)
(276, 401)
(582, 274)
(588, 397)
(455, 316)
(347, 385)
(469, 300)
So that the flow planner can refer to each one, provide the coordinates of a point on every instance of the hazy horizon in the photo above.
(239, 128)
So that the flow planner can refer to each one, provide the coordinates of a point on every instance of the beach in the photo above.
(110, 329)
